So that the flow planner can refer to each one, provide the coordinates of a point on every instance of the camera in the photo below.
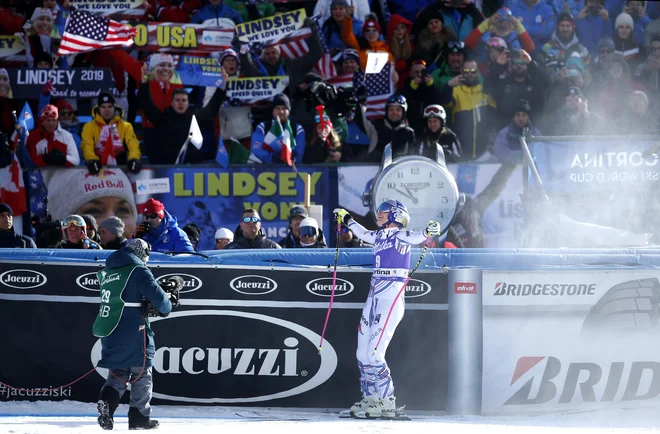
(594, 9)
(47, 232)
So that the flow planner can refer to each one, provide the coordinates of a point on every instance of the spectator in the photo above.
(539, 19)
(326, 145)
(421, 92)
(461, 16)
(310, 234)
(251, 12)
(436, 133)
(648, 73)
(193, 231)
(75, 236)
(368, 43)
(605, 49)
(625, 42)
(160, 229)
(173, 124)
(564, 43)
(331, 28)
(507, 141)
(66, 109)
(91, 228)
(348, 240)
(9, 239)
(111, 232)
(249, 234)
(638, 118)
(637, 11)
(473, 111)
(350, 61)
(593, 23)
(573, 118)
(42, 37)
(504, 25)
(49, 144)
(401, 46)
(296, 215)
(5, 84)
(450, 67)
(495, 47)
(223, 237)
(358, 9)
(433, 37)
(59, 12)
(108, 140)
(513, 79)
(614, 90)
(213, 12)
(575, 77)
(267, 144)
(392, 129)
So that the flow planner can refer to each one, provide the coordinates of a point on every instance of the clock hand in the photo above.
(411, 195)
(406, 194)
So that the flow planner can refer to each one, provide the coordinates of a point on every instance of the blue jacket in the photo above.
(539, 20)
(410, 8)
(124, 348)
(210, 12)
(333, 30)
(272, 155)
(168, 237)
(590, 29)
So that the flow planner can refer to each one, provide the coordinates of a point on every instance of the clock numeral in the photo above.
(441, 215)
(414, 170)
(391, 185)
(400, 174)
(441, 184)
(444, 199)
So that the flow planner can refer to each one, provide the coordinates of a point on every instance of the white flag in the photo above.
(195, 134)
(376, 62)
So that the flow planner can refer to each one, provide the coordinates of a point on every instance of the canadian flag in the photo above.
(12, 189)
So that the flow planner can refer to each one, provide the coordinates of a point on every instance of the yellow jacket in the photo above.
(91, 134)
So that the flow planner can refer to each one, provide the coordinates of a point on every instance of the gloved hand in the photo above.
(141, 230)
(27, 26)
(342, 215)
(174, 298)
(433, 229)
(94, 166)
(55, 158)
(47, 88)
(134, 166)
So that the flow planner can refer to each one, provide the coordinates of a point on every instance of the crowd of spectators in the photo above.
(469, 75)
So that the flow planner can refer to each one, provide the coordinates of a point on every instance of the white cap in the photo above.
(310, 221)
(159, 58)
(224, 233)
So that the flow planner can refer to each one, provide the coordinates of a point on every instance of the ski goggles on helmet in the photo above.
(74, 221)
(251, 219)
(456, 46)
(308, 231)
(433, 111)
(385, 207)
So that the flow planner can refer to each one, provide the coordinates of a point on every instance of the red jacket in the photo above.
(401, 66)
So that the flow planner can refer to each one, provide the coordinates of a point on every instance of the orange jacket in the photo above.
(350, 40)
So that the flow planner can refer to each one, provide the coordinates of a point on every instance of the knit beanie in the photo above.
(350, 53)
(159, 58)
(139, 248)
(105, 97)
(606, 41)
(71, 188)
(67, 104)
(224, 233)
(311, 222)
(153, 206)
(281, 99)
(6, 208)
(114, 225)
(41, 12)
(565, 16)
(623, 19)
(228, 53)
(48, 111)
(370, 23)
(343, 3)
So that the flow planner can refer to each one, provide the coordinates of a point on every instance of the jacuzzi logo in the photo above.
(271, 359)
(417, 288)
(88, 281)
(253, 284)
(323, 287)
(23, 278)
(190, 283)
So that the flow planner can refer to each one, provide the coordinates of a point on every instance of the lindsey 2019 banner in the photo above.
(67, 83)
(184, 38)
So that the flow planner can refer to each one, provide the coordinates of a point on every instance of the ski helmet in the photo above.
(435, 111)
(397, 100)
(398, 214)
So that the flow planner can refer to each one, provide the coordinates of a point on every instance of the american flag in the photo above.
(86, 32)
(325, 66)
(379, 88)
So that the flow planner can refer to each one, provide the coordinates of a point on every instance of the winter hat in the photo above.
(70, 189)
(228, 53)
(48, 111)
(159, 58)
(637, 93)
(152, 206)
(496, 41)
(297, 210)
(193, 231)
(67, 104)
(224, 233)
(114, 225)
(623, 20)
(575, 62)
(350, 53)
(326, 119)
(281, 99)
(343, 3)
(105, 97)
(6, 208)
(523, 106)
(90, 221)
(139, 248)
(565, 16)
(41, 12)
(311, 222)
(606, 41)
(43, 57)
(371, 22)
(434, 14)
(4, 73)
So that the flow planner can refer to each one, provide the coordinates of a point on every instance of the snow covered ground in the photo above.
(76, 417)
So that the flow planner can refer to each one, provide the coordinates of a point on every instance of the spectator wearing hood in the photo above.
(311, 235)
(250, 235)
(160, 229)
(111, 232)
(507, 141)
(401, 46)
(213, 12)
(625, 41)
(593, 23)
(564, 44)
(266, 145)
(223, 237)
(433, 37)
(108, 140)
(9, 239)
(462, 19)
(331, 28)
(49, 144)
(538, 17)
(358, 9)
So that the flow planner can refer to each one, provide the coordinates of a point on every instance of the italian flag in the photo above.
(280, 138)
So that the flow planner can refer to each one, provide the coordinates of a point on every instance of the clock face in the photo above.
(427, 189)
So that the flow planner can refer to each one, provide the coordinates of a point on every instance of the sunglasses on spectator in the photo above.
(251, 219)
(307, 231)
(150, 216)
(66, 113)
(518, 62)
(606, 51)
(470, 71)
(219, 240)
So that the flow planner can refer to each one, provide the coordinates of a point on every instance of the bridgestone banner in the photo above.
(246, 336)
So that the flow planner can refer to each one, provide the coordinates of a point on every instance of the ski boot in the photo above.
(137, 420)
(384, 408)
(358, 409)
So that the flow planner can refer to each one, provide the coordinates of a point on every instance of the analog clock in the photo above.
(424, 186)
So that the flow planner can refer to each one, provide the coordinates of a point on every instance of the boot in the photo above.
(106, 406)
(383, 407)
(358, 409)
(137, 420)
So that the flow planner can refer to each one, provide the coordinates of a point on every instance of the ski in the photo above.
(400, 414)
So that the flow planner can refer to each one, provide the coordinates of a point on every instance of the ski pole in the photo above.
(334, 281)
(419, 261)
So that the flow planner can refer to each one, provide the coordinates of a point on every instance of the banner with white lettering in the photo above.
(252, 89)
(200, 71)
(10, 45)
(67, 83)
(268, 28)
(106, 7)
(184, 38)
